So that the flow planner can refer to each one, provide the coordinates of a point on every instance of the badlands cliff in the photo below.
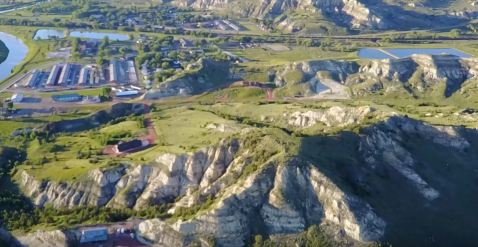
(416, 74)
(358, 185)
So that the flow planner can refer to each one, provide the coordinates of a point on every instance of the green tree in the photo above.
(122, 50)
(258, 241)
(455, 33)
(106, 41)
(100, 61)
(165, 65)
(10, 105)
(75, 55)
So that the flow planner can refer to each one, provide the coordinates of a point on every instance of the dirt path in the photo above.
(270, 96)
(224, 97)
(151, 137)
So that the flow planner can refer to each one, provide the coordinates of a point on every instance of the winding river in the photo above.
(17, 52)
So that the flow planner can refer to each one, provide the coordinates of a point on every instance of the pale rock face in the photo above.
(49, 239)
(228, 219)
(334, 116)
(137, 186)
(182, 85)
(96, 190)
(348, 11)
(224, 128)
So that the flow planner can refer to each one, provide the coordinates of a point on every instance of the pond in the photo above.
(408, 52)
(401, 53)
(96, 35)
(374, 54)
(48, 33)
(17, 52)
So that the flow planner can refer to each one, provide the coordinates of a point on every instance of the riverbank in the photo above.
(37, 50)
(3, 52)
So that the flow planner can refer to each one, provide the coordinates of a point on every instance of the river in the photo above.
(17, 53)
(23, 7)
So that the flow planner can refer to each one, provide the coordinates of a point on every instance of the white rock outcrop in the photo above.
(334, 116)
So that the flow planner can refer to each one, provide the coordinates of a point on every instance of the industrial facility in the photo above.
(122, 72)
(65, 74)
(70, 75)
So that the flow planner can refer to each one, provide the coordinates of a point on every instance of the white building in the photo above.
(17, 97)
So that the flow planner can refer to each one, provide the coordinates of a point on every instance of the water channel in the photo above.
(17, 52)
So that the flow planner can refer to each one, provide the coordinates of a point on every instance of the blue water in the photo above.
(408, 52)
(24, 7)
(44, 33)
(374, 54)
(95, 35)
(17, 52)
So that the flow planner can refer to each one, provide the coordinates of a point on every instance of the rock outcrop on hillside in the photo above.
(355, 14)
(136, 186)
(96, 119)
(199, 77)
(362, 186)
(419, 73)
(55, 238)
(287, 195)
(335, 116)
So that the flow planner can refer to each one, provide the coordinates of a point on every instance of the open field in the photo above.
(130, 127)
(247, 93)
(65, 166)
(266, 57)
(180, 130)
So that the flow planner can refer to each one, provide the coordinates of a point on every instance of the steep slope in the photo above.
(394, 180)
(418, 75)
(96, 119)
(199, 77)
(356, 14)
(362, 184)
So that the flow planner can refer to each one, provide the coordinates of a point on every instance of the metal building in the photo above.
(126, 93)
(94, 236)
(52, 79)
(66, 97)
(64, 74)
(83, 76)
(17, 97)
(92, 77)
(33, 78)
(113, 71)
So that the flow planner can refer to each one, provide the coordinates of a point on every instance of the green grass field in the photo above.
(180, 130)
(247, 93)
(130, 127)
(67, 166)
(261, 56)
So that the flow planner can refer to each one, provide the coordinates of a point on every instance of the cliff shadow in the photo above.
(412, 220)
